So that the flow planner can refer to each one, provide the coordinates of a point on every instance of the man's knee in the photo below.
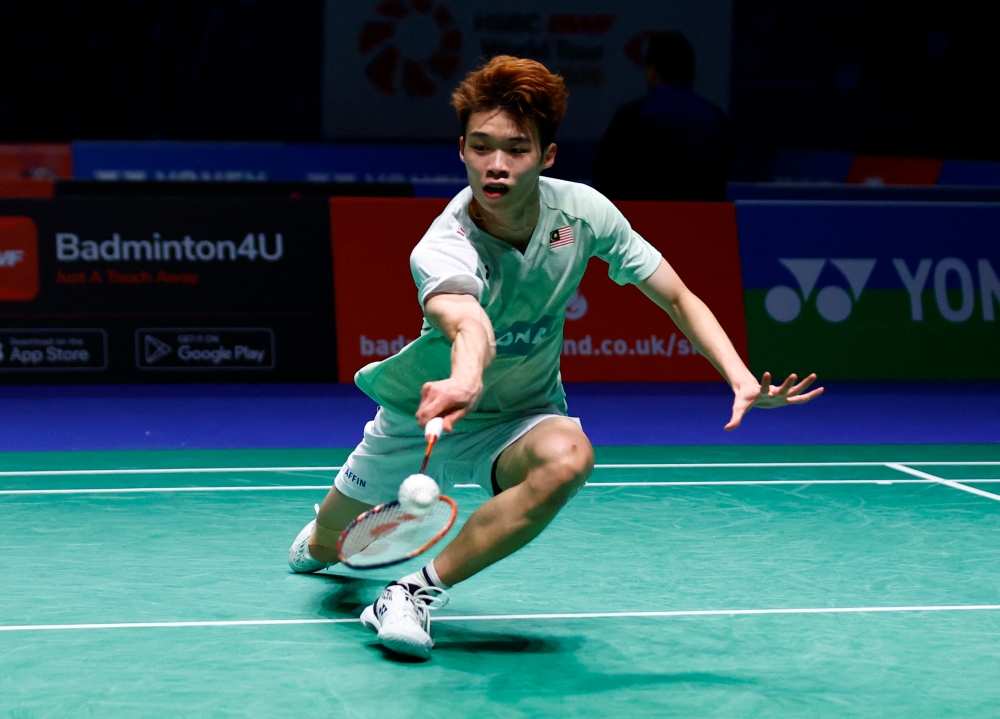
(565, 459)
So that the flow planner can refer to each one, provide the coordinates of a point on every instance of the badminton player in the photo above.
(494, 273)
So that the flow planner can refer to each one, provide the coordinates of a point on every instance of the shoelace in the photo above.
(425, 599)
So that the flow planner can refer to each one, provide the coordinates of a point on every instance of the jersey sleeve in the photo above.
(445, 264)
(630, 257)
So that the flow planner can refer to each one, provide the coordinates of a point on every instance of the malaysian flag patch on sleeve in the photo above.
(562, 236)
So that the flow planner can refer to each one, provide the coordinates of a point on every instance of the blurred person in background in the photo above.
(670, 144)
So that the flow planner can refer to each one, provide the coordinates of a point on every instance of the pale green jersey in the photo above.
(524, 295)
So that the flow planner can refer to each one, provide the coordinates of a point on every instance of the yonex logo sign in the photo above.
(833, 302)
(952, 280)
(945, 272)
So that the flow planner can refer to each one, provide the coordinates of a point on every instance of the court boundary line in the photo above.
(899, 467)
(513, 617)
(326, 487)
(336, 468)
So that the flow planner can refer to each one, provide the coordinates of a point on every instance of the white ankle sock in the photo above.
(426, 577)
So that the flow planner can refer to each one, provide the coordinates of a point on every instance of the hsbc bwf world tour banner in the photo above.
(872, 291)
(390, 65)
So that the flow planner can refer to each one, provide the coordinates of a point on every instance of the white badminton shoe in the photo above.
(402, 618)
(299, 558)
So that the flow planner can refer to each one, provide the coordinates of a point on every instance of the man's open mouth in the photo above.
(495, 191)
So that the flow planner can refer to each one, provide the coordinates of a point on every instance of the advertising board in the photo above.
(872, 291)
(163, 160)
(167, 289)
(35, 161)
(612, 333)
(616, 334)
(391, 65)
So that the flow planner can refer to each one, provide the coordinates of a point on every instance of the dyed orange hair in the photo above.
(524, 88)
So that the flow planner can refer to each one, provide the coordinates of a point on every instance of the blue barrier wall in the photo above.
(219, 161)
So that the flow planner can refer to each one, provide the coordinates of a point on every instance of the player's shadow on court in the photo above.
(350, 595)
(451, 643)
(449, 638)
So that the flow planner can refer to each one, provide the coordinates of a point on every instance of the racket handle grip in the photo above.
(434, 428)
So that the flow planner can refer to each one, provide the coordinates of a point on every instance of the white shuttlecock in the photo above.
(417, 494)
(434, 428)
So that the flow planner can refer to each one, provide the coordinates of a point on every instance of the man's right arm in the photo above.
(462, 320)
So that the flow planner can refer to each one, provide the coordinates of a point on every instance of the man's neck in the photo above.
(515, 225)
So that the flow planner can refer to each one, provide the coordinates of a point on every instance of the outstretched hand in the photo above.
(766, 396)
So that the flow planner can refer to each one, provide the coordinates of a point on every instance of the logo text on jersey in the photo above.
(521, 337)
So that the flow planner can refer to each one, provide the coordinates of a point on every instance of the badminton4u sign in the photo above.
(885, 291)
(141, 289)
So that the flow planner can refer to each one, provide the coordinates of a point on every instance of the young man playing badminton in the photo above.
(494, 273)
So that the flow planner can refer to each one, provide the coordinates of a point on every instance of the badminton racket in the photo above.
(389, 534)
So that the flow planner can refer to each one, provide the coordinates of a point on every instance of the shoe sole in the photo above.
(405, 645)
(401, 644)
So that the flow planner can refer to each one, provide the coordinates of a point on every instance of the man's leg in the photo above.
(538, 473)
(337, 511)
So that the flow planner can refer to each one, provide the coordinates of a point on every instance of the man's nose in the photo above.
(497, 163)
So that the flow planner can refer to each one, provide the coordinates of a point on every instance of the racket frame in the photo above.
(379, 509)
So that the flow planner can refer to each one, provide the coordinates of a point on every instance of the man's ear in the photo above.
(549, 156)
(461, 148)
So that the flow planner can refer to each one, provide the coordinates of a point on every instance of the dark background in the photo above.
(153, 69)
(896, 78)
(893, 78)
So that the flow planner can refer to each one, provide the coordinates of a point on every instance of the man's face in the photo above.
(502, 160)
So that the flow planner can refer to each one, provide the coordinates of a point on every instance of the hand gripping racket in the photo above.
(386, 535)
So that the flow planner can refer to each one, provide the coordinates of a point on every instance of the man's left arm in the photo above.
(699, 325)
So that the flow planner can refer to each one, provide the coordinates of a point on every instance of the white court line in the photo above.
(737, 465)
(517, 617)
(336, 468)
(149, 490)
(325, 487)
(941, 480)
(176, 470)
(752, 482)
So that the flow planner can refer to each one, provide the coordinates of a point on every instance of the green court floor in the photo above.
(827, 581)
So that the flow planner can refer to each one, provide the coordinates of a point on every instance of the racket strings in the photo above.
(388, 534)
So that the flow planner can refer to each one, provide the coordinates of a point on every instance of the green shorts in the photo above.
(393, 449)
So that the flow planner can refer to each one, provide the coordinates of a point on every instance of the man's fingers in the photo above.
(799, 399)
(765, 384)
(802, 385)
(784, 386)
(432, 405)
(739, 410)
(450, 418)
